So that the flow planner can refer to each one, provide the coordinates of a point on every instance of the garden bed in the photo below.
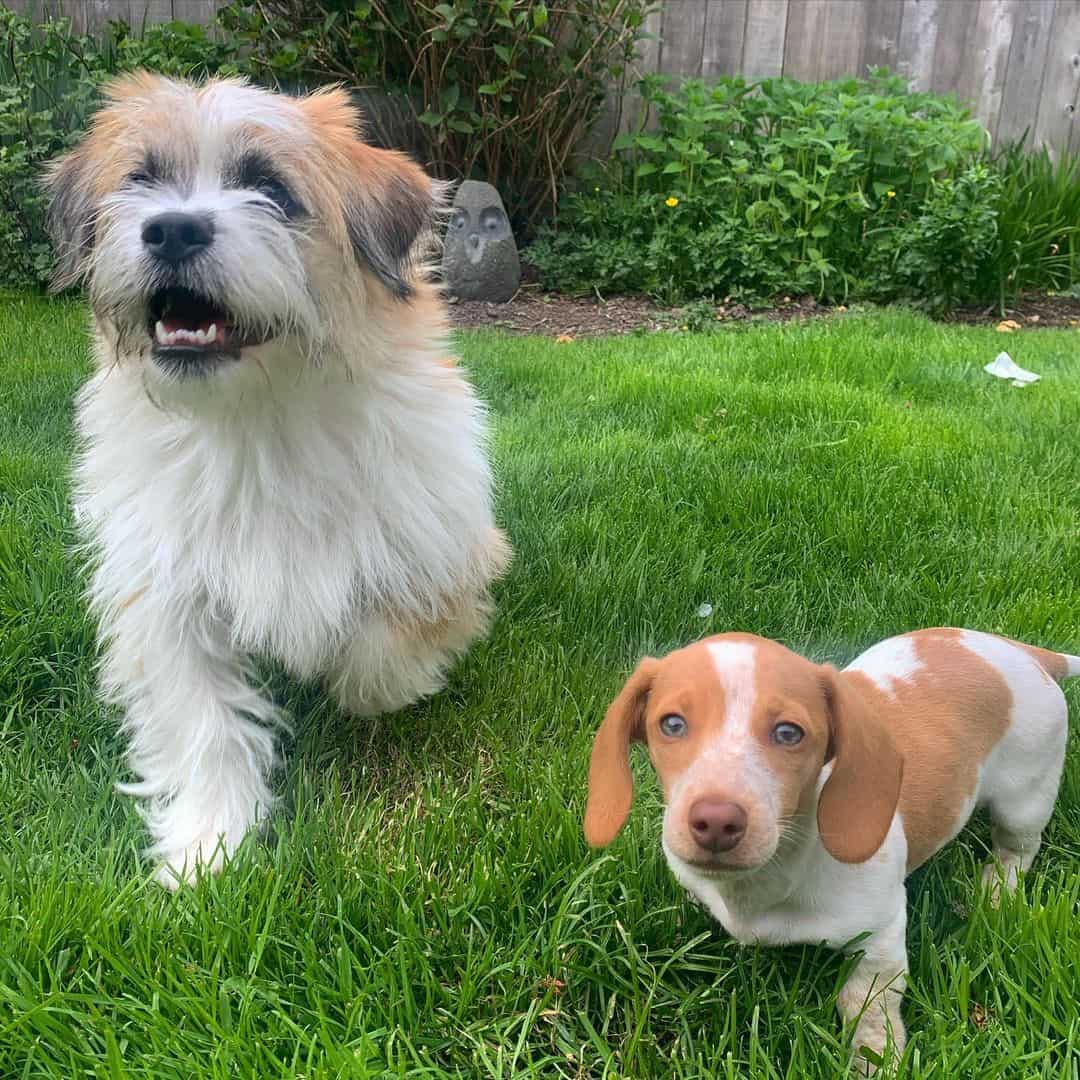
(533, 311)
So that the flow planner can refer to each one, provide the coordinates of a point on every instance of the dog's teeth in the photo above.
(159, 333)
(211, 334)
(199, 337)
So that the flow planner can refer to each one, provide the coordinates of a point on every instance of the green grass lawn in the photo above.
(426, 905)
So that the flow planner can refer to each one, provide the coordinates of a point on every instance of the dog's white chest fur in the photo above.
(298, 515)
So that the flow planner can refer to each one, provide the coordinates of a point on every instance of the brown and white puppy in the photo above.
(798, 798)
(278, 455)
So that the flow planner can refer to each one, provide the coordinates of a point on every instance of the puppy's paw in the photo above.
(1000, 875)
(870, 1054)
(881, 1050)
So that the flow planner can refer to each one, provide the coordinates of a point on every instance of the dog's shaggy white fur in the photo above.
(278, 456)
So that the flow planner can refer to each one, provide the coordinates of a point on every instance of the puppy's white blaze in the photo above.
(888, 662)
(731, 764)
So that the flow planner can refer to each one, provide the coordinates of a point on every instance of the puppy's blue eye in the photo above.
(673, 726)
(786, 734)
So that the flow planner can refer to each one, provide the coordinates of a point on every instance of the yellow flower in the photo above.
(671, 201)
(890, 194)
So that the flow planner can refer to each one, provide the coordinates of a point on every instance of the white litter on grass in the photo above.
(704, 611)
(1005, 367)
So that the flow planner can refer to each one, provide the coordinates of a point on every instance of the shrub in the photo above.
(48, 83)
(492, 94)
(939, 256)
(750, 189)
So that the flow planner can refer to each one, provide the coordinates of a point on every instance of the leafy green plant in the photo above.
(749, 189)
(939, 256)
(504, 90)
(48, 86)
(186, 50)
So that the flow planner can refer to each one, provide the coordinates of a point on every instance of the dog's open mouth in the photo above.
(192, 331)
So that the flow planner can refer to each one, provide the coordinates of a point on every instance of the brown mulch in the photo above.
(533, 311)
(1034, 310)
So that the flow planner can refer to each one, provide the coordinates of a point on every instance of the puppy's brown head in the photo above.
(213, 222)
(739, 729)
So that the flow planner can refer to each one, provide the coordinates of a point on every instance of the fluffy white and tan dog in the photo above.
(278, 456)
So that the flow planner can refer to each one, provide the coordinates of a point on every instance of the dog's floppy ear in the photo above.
(859, 798)
(71, 215)
(389, 202)
(611, 785)
(388, 216)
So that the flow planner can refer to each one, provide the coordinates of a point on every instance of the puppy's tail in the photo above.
(1057, 665)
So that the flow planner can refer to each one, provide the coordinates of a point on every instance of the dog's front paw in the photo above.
(183, 866)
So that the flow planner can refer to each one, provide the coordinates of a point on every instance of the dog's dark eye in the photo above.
(151, 170)
(277, 193)
(673, 725)
(255, 173)
(785, 734)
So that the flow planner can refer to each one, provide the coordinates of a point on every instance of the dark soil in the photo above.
(1037, 309)
(533, 311)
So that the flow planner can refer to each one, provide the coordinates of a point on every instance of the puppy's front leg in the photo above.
(873, 992)
(201, 738)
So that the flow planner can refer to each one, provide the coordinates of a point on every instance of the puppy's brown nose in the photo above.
(717, 825)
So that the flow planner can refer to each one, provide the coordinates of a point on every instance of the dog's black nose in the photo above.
(174, 237)
(716, 825)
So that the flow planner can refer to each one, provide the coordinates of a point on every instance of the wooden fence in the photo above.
(1015, 62)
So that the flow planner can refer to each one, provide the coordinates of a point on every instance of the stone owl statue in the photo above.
(480, 259)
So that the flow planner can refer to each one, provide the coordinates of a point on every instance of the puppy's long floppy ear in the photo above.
(859, 799)
(611, 785)
(71, 217)
(388, 201)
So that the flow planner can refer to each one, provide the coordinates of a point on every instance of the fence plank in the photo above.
(764, 38)
(919, 25)
(150, 13)
(1054, 127)
(881, 34)
(682, 38)
(953, 53)
(997, 19)
(196, 11)
(824, 39)
(725, 28)
(624, 115)
(1026, 71)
